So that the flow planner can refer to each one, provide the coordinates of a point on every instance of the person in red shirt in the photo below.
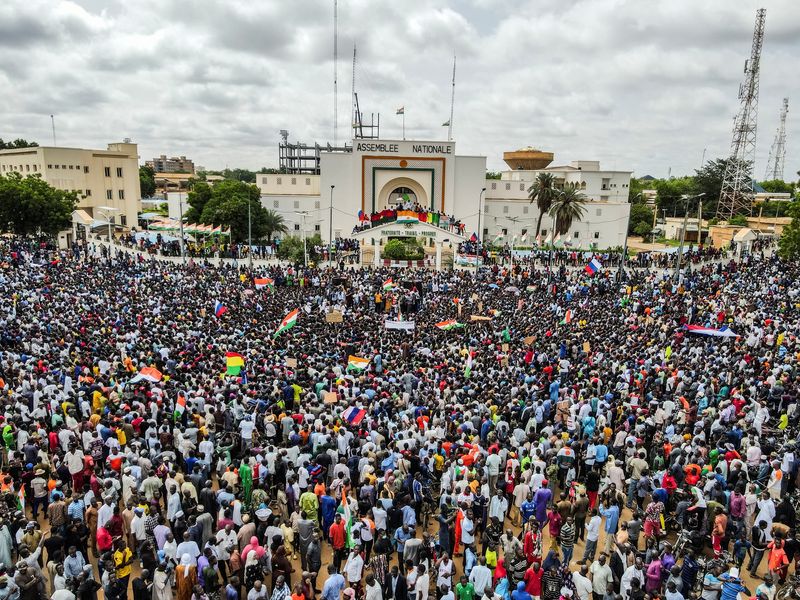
(533, 580)
(337, 537)
(104, 540)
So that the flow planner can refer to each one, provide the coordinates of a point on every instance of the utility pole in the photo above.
(479, 243)
(700, 224)
(305, 249)
(53, 124)
(330, 230)
(683, 233)
(180, 208)
(249, 235)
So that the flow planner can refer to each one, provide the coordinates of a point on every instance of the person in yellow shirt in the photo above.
(123, 557)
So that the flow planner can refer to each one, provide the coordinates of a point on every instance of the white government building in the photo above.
(376, 174)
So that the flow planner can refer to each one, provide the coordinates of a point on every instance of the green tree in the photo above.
(30, 205)
(199, 195)
(147, 181)
(228, 206)
(240, 175)
(739, 220)
(789, 244)
(641, 219)
(670, 192)
(493, 175)
(274, 223)
(17, 143)
(543, 193)
(636, 190)
(291, 248)
(777, 186)
(569, 206)
(708, 180)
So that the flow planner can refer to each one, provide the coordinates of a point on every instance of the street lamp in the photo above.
(304, 214)
(686, 199)
(107, 210)
(249, 235)
(330, 230)
(480, 235)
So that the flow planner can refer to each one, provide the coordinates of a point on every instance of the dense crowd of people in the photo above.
(411, 212)
(176, 431)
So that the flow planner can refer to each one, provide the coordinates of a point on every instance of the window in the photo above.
(524, 232)
(316, 204)
(599, 212)
(505, 210)
(276, 203)
(123, 220)
(49, 166)
(543, 233)
(508, 186)
(603, 198)
(525, 210)
(57, 167)
(494, 185)
(486, 208)
(28, 168)
(107, 171)
(85, 169)
(505, 231)
(121, 194)
(316, 227)
(71, 167)
(297, 203)
(485, 233)
(308, 180)
(264, 180)
(576, 235)
(119, 171)
(109, 194)
(77, 167)
(297, 226)
(597, 235)
(63, 166)
(88, 193)
(294, 180)
(521, 187)
(278, 181)
(35, 168)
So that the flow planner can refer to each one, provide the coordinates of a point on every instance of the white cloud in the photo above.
(637, 84)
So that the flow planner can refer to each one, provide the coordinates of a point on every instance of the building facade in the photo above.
(103, 178)
(379, 174)
(173, 164)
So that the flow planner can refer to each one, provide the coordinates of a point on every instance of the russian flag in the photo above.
(354, 415)
(594, 266)
(219, 309)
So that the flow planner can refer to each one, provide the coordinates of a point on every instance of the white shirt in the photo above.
(593, 529)
(74, 461)
(583, 586)
(481, 578)
(354, 567)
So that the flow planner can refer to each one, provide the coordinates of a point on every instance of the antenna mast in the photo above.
(452, 102)
(777, 153)
(335, 70)
(736, 195)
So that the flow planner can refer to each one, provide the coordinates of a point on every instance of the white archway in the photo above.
(382, 201)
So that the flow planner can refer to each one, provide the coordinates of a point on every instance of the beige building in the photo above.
(173, 164)
(102, 178)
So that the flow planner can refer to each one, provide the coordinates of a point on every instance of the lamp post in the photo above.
(249, 235)
(478, 244)
(107, 211)
(686, 198)
(330, 229)
(303, 214)
(621, 270)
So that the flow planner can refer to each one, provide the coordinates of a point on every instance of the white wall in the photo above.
(304, 185)
(469, 179)
(339, 169)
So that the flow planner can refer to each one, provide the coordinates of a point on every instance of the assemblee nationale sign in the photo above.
(413, 148)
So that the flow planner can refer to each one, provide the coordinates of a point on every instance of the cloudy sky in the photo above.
(643, 85)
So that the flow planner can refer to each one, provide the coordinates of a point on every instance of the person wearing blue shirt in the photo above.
(401, 535)
(732, 585)
(528, 508)
(554, 387)
(612, 519)
(600, 455)
(334, 585)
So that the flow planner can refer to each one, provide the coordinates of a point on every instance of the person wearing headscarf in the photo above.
(185, 577)
(253, 546)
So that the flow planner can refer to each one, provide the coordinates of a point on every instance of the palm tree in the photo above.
(567, 207)
(543, 192)
(273, 223)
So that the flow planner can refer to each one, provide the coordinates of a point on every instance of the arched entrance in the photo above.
(392, 194)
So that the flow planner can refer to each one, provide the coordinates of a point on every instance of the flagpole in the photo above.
(404, 123)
